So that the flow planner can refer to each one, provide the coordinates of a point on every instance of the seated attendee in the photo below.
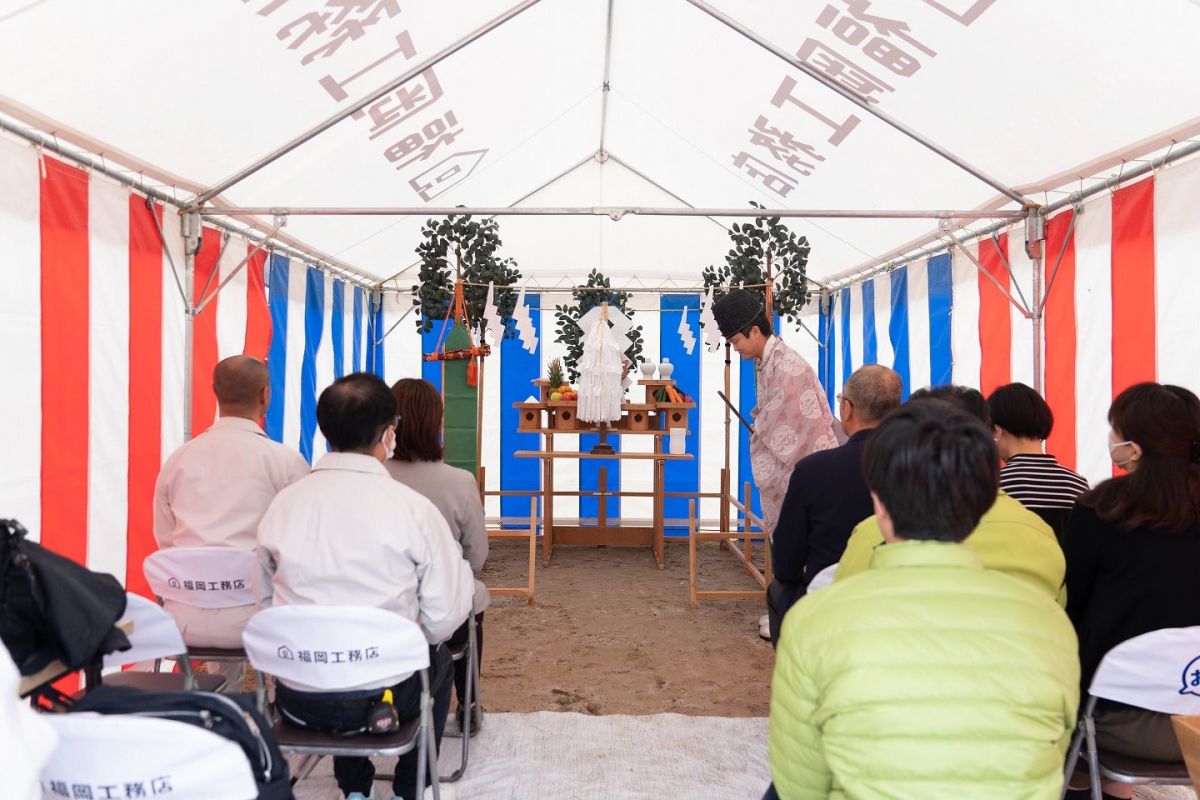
(827, 495)
(927, 675)
(1022, 422)
(1010, 538)
(418, 464)
(1133, 546)
(26, 739)
(214, 490)
(349, 535)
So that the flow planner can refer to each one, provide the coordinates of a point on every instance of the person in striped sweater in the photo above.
(1022, 421)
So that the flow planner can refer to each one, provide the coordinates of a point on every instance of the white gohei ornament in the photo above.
(524, 324)
(685, 333)
(708, 323)
(600, 366)
(491, 314)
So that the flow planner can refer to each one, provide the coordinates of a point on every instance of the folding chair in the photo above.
(135, 756)
(204, 577)
(470, 651)
(155, 636)
(822, 578)
(1155, 672)
(335, 648)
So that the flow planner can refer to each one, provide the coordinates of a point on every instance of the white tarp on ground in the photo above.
(1037, 95)
(566, 756)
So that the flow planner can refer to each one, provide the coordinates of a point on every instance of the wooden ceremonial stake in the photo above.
(603, 448)
(479, 417)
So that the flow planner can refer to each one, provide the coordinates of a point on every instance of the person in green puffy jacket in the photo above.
(926, 676)
(1009, 537)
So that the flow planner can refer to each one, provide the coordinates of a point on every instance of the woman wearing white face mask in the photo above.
(1133, 546)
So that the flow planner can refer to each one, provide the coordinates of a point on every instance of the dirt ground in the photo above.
(611, 634)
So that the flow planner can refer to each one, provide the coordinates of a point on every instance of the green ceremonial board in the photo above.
(462, 401)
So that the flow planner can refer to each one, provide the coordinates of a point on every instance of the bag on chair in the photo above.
(52, 608)
(231, 716)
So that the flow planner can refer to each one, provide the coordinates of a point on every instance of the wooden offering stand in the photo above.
(651, 418)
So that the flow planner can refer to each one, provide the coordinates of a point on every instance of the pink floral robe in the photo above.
(792, 420)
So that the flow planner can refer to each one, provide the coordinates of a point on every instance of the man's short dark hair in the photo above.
(1021, 411)
(353, 411)
(935, 469)
(964, 398)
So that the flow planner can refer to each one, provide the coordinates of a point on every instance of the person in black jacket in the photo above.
(1133, 545)
(827, 494)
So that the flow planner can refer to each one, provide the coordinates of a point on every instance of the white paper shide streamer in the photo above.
(524, 324)
(685, 333)
(600, 366)
(491, 315)
(708, 323)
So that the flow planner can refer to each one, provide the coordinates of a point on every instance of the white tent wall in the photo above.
(97, 345)
(20, 327)
(685, 100)
(692, 106)
(1141, 237)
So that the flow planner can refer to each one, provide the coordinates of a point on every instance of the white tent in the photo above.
(611, 135)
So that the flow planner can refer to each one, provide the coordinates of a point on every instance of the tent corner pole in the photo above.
(1035, 248)
(191, 230)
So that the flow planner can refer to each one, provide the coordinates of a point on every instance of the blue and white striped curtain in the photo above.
(900, 318)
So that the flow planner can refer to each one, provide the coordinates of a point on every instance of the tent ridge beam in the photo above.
(359, 104)
(520, 199)
(834, 86)
(601, 152)
(659, 186)
(613, 212)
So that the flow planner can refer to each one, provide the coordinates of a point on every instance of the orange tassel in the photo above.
(473, 373)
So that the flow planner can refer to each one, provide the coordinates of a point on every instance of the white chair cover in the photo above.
(822, 578)
(116, 756)
(203, 577)
(26, 740)
(329, 648)
(154, 635)
(1158, 671)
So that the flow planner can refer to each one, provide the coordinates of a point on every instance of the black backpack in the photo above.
(231, 716)
(52, 608)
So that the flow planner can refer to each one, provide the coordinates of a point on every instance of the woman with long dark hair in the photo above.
(1133, 550)
(417, 463)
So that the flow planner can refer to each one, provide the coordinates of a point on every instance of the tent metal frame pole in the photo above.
(226, 237)
(955, 243)
(1035, 248)
(616, 213)
(99, 166)
(659, 186)
(167, 251)
(191, 231)
(1012, 277)
(1039, 383)
(395, 325)
(601, 153)
(845, 93)
(935, 243)
(258, 247)
(359, 104)
(520, 199)
(1062, 251)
